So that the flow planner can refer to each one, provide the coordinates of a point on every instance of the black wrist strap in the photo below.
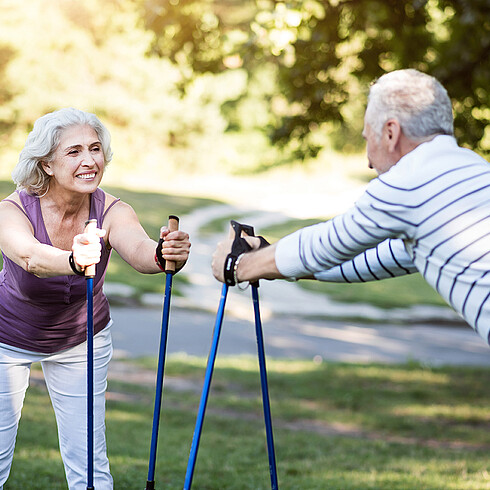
(239, 247)
(160, 260)
(73, 266)
(159, 256)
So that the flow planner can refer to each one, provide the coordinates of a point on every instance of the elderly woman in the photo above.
(43, 297)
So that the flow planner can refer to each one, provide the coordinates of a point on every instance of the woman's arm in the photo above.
(126, 235)
(18, 243)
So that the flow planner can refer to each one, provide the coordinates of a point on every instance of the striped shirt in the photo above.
(435, 204)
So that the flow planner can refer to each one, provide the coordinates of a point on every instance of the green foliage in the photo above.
(270, 81)
(336, 426)
(94, 56)
(325, 54)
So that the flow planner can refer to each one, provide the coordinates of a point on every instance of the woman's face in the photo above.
(78, 162)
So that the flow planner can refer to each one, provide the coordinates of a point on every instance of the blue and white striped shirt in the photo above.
(435, 204)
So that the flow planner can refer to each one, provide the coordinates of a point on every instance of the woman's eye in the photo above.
(72, 152)
(96, 148)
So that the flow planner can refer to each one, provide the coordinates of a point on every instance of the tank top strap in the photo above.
(109, 207)
(32, 208)
(97, 203)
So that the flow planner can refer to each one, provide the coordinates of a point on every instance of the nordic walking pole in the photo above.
(90, 225)
(265, 389)
(173, 225)
(205, 390)
(191, 464)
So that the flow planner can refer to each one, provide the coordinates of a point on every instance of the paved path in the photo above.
(136, 332)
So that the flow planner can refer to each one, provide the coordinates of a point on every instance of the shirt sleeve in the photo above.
(382, 212)
(389, 259)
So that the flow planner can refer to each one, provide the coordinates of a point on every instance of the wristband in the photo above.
(157, 262)
(231, 265)
(235, 273)
(73, 266)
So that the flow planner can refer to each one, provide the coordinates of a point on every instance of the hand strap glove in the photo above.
(238, 248)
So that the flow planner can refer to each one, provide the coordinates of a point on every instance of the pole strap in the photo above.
(160, 261)
(239, 247)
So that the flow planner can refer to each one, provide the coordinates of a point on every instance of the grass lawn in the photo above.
(336, 426)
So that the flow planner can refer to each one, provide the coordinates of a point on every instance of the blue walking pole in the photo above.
(205, 391)
(89, 277)
(265, 389)
(173, 224)
(230, 279)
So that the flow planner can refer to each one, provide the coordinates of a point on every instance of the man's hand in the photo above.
(224, 249)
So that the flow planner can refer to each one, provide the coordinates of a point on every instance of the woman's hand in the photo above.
(87, 249)
(176, 246)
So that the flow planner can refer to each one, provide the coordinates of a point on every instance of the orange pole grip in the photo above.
(173, 225)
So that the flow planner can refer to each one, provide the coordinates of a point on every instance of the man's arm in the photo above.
(254, 265)
(377, 216)
(389, 259)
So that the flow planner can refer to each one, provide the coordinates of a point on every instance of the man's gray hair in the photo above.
(42, 142)
(417, 101)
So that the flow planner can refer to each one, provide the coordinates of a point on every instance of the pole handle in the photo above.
(90, 226)
(173, 225)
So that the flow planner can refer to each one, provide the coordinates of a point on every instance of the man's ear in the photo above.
(393, 133)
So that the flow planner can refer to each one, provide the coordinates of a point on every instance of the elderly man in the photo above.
(428, 210)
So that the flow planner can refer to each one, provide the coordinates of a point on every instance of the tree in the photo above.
(7, 122)
(324, 54)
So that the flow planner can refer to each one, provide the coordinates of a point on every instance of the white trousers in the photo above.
(66, 378)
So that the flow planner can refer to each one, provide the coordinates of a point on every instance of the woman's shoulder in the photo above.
(15, 200)
(14, 197)
(12, 205)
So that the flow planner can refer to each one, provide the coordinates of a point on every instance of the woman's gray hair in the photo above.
(42, 142)
(417, 101)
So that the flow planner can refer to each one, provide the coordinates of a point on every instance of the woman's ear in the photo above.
(47, 167)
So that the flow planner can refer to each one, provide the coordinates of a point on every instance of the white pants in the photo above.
(66, 378)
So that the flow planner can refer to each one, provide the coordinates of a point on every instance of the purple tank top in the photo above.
(48, 315)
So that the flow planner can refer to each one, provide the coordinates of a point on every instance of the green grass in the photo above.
(397, 292)
(219, 225)
(336, 426)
